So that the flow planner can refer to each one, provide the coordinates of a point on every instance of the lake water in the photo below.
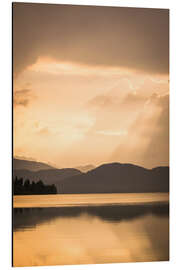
(90, 228)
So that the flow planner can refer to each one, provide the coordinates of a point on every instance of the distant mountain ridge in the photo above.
(22, 164)
(25, 164)
(52, 176)
(107, 178)
(85, 168)
(118, 178)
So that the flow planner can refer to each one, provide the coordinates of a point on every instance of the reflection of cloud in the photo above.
(22, 97)
(141, 239)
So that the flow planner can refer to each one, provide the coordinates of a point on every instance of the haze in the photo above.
(91, 84)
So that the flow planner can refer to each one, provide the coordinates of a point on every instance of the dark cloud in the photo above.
(135, 38)
(22, 97)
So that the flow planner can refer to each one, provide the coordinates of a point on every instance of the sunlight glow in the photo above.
(112, 132)
(48, 65)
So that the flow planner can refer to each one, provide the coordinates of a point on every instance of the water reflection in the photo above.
(30, 217)
(81, 235)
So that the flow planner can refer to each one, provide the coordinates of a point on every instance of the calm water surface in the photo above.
(90, 228)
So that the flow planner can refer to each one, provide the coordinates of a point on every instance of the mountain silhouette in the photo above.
(85, 168)
(107, 178)
(20, 164)
(47, 176)
(117, 178)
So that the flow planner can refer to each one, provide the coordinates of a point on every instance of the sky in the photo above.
(91, 84)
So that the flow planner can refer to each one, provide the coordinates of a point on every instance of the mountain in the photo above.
(107, 178)
(49, 177)
(117, 178)
(85, 168)
(20, 164)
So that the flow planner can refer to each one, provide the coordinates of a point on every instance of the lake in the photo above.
(90, 228)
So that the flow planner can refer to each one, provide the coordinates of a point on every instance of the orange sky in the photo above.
(91, 84)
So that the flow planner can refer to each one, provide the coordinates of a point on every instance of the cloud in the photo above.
(116, 112)
(115, 115)
(112, 132)
(110, 101)
(22, 97)
(51, 66)
(134, 98)
(44, 131)
(133, 38)
(101, 101)
(148, 140)
(158, 146)
(25, 158)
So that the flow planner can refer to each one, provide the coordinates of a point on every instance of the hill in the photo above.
(117, 178)
(85, 168)
(52, 176)
(20, 164)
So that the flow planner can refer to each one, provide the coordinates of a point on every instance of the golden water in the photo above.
(65, 235)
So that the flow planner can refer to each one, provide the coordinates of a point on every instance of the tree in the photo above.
(27, 183)
(34, 188)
